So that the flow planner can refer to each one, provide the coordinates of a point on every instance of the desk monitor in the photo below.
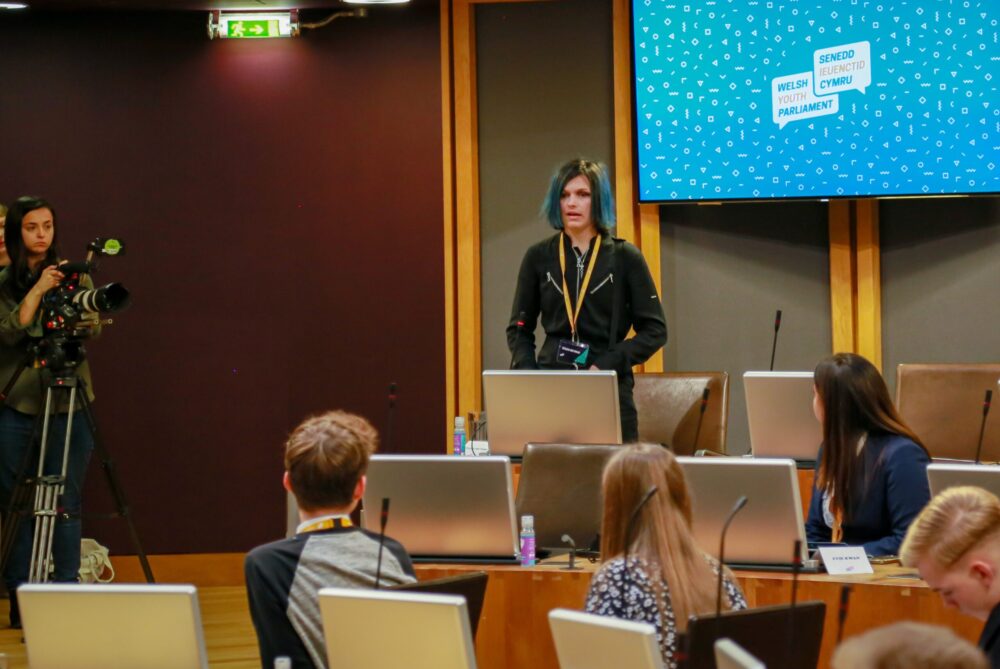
(780, 414)
(778, 636)
(445, 507)
(554, 406)
(586, 641)
(941, 476)
(366, 628)
(74, 626)
(764, 532)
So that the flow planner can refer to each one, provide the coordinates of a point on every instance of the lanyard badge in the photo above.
(571, 314)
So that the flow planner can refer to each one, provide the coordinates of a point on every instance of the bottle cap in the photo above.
(459, 423)
(527, 522)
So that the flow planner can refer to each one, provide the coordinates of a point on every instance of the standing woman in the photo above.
(871, 474)
(668, 578)
(589, 289)
(30, 233)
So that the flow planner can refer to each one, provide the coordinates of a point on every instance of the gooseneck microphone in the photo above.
(383, 519)
(790, 635)
(521, 315)
(567, 539)
(737, 507)
(774, 343)
(630, 530)
(390, 416)
(701, 417)
(845, 600)
(982, 426)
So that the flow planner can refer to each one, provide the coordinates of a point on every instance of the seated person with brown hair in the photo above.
(907, 645)
(955, 545)
(326, 458)
(667, 577)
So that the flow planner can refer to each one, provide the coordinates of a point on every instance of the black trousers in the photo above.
(626, 408)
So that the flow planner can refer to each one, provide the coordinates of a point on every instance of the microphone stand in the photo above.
(520, 329)
(383, 519)
(845, 599)
(737, 507)
(629, 531)
(774, 343)
(982, 426)
(566, 539)
(701, 417)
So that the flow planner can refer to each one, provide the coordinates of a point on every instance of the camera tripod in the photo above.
(46, 489)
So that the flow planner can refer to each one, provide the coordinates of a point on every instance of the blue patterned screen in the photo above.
(745, 99)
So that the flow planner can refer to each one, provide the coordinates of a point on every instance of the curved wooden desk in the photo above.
(514, 629)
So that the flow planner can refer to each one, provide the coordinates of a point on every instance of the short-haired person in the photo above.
(908, 645)
(589, 289)
(326, 458)
(668, 577)
(955, 545)
(31, 234)
(871, 474)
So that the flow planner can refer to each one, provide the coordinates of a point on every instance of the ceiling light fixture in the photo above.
(13, 5)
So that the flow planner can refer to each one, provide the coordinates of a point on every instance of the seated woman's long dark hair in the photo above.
(22, 278)
(855, 402)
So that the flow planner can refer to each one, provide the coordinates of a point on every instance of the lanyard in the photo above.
(570, 313)
(339, 522)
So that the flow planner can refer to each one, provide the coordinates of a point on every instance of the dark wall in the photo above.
(282, 206)
(940, 274)
(726, 269)
(538, 108)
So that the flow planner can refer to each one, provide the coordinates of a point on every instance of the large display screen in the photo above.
(747, 99)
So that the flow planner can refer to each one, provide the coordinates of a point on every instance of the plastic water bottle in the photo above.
(459, 438)
(527, 541)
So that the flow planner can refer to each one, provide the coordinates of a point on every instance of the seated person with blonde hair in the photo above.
(326, 458)
(907, 645)
(955, 545)
(668, 577)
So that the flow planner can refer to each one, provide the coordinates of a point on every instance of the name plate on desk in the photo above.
(845, 560)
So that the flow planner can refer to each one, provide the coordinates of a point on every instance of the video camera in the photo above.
(70, 313)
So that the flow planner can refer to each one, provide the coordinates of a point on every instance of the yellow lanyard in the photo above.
(326, 524)
(570, 313)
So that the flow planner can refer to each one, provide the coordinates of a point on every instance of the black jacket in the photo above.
(620, 276)
(990, 639)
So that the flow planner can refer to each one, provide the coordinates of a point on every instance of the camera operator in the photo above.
(31, 234)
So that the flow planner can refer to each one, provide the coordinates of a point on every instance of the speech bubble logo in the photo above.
(792, 99)
(843, 68)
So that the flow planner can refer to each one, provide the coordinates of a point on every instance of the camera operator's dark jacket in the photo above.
(620, 276)
(28, 395)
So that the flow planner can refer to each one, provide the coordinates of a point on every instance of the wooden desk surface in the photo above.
(514, 629)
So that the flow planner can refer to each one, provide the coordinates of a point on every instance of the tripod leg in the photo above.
(19, 505)
(46, 492)
(53, 487)
(114, 484)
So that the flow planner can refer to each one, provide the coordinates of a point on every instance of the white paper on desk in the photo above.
(846, 560)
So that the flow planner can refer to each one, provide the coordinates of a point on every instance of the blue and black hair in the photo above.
(602, 201)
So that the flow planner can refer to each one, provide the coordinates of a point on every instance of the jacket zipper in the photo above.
(609, 277)
(553, 281)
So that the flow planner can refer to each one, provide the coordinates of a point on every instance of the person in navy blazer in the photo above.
(871, 473)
